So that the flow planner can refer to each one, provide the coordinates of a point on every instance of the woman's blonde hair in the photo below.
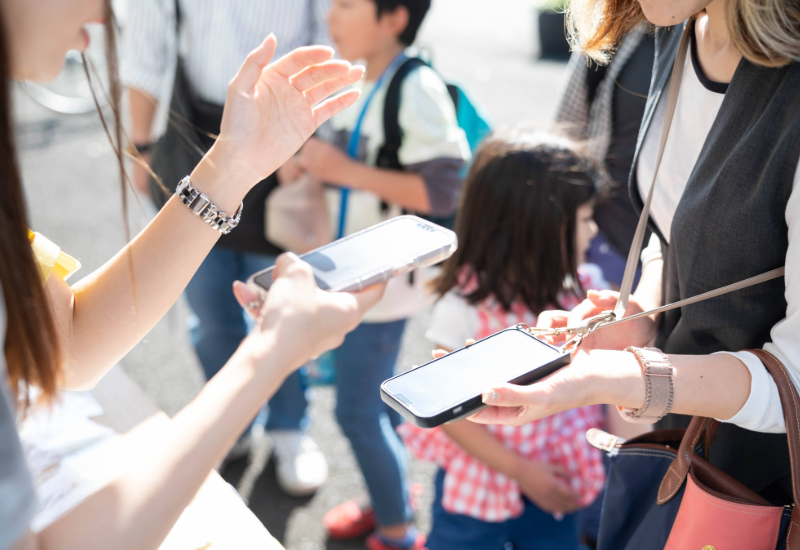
(766, 32)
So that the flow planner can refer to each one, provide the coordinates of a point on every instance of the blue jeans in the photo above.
(533, 530)
(365, 359)
(219, 324)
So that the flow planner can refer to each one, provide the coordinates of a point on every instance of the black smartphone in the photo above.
(450, 388)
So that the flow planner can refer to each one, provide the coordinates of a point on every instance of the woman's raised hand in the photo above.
(273, 108)
(298, 321)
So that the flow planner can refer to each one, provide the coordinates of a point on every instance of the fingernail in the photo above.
(558, 516)
(491, 397)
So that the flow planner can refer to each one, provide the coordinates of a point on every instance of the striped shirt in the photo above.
(215, 38)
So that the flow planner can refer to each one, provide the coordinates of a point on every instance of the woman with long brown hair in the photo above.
(57, 337)
(726, 207)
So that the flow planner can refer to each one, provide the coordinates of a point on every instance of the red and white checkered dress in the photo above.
(470, 487)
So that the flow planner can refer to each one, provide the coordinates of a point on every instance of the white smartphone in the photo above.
(374, 255)
(451, 387)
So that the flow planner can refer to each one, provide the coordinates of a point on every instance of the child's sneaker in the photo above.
(355, 518)
(349, 520)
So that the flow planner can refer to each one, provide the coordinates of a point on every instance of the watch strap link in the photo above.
(202, 207)
(659, 389)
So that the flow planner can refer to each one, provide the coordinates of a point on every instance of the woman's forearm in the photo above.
(715, 386)
(138, 509)
(479, 443)
(107, 313)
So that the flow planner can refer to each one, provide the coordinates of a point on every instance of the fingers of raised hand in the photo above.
(299, 59)
(250, 71)
(325, 88)
(319, 73)
(334, 105)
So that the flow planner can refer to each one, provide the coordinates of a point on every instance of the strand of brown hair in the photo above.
(31, 345)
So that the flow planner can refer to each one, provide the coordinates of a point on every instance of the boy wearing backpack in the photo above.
(426, 180)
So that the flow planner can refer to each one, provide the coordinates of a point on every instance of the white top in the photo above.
(455, 320)
(17, 496)
(432, 139)
(216, 36)
(695, 112)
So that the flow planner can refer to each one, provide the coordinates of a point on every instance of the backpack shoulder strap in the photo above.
(178, 17)
(388, 154)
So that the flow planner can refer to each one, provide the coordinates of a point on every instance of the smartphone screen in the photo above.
(447, 382)
(389, 246)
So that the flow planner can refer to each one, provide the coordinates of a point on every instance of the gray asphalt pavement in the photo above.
(74, 197)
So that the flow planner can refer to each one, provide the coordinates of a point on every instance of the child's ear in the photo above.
(396, 21)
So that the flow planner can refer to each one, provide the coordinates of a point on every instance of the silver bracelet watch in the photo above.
(206, 210)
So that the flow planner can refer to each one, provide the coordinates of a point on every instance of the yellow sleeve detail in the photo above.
(50, 259)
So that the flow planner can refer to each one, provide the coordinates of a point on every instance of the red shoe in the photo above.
(375, 543)
(349, 520)
(355, 518)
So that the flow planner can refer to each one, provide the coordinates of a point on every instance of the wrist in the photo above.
(222, 179)
(617, 380)
(517, 467)
(261, 353)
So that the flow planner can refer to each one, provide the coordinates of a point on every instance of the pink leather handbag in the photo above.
(719, 513)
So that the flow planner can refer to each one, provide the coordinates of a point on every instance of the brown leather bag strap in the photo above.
(790, 402)
(679, 468)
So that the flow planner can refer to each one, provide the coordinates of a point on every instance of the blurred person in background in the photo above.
(59, 337)
(207, 40)
(524, 228)
(604, 105)
(432, 154)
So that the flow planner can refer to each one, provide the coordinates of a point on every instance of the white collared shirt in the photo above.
(216, 36)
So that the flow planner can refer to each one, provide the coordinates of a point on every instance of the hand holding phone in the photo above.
(451, 387)
(305, 320)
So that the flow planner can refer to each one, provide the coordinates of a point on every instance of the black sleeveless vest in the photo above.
(730, 225)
